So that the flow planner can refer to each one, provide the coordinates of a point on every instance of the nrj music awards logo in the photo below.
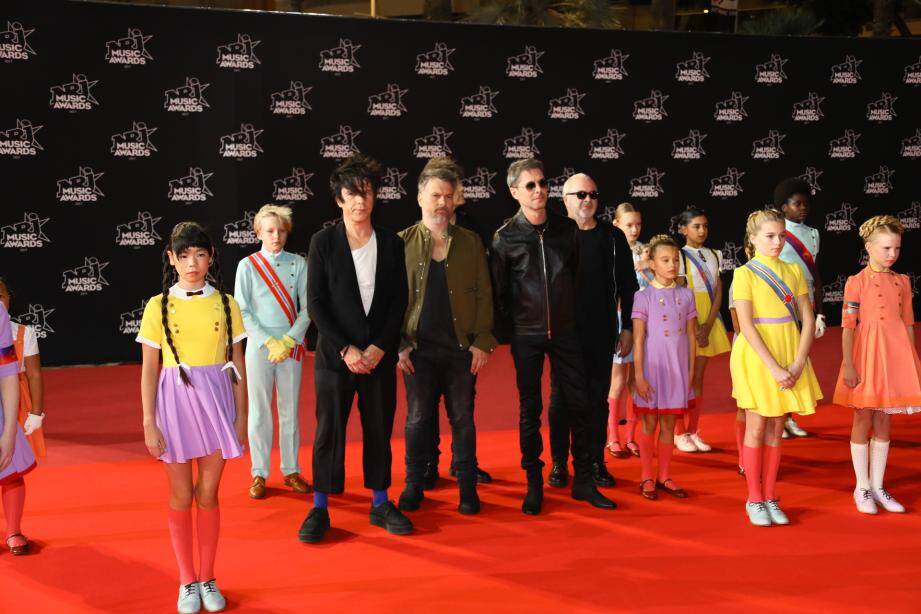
(292, 188)
(555, 184)
(341, 59)
(130, 50)
(290, 102)
(242, 144)
(521, 146)
(37, 318)
(192, 188)
(689, 147)
(478, 186)
(434, 145)
(391, 185)
(14, 42)
(811, 176)
(881, 110)
(732, 109)
(388, 103)
(911, 217)
(479, 105)
(611, 68)
(728, 185)
(648, 185)
(808, 110)
(130, 321)
(651, 108)
(606, 147)
(435, 63)
(911, 76)
(841, 220)
(134, 143)
(74, 96)
(187, 98)
(240, 232)
(525, 65)
(879, 183)
(81, 188)
(846, 72)
(844, 147)
(238, 54)
(834, 292)
(693, 70)
(140, 232)
(769, 147)
(340, 145)
(771, 72)
(85, 278)
(20, 141)
(26, 234)
(730, 256)
(567, 106)
(911, 147)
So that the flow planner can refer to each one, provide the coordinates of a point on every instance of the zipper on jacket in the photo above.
(543, 258)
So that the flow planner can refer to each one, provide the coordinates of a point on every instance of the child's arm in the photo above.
(239, 393)
(747, 327)
(735, 321)
(150, 372)
(692, 348)
(806, 335)
(639, 350)
(851, 378)
(33, 366)
(9, 393)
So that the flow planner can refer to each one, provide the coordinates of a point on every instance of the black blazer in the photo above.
(334, 301)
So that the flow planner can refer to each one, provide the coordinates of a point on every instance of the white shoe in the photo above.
(684, 443)
(777, 515)
(189, 598)
(700, 444)
(758, 513)
(882, 496)
(211, 597)
(864, 501)
(793, 428)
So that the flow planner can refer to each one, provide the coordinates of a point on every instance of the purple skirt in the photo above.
(197, 420)
(23, 459)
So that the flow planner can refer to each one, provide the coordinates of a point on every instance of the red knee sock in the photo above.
(647, 451)
(631, 419)
(665, 449)
(693, 414)
(612, 419)
(769, 472)
(14, 501)
(740, 440)
(180, 532)
(751, 460)
(209, 528)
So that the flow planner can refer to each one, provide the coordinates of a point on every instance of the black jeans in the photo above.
(597, 362)
(565, 353)
(439, 372)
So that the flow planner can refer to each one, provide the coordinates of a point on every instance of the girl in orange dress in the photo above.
(880, 374)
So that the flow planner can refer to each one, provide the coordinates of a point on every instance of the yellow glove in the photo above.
(277, 350)
(288, 342)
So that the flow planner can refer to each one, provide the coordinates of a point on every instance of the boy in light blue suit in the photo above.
(271, 289)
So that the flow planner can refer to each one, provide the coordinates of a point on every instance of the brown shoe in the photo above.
(297, 483)
(674, 490)
(257, 488)
(649, 494)
(20, 549)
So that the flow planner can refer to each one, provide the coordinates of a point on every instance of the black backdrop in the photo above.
(118, 121)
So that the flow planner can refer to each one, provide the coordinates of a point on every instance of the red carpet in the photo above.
(96, 514)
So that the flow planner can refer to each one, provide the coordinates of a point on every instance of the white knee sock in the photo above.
(879, 451)
(860, 457)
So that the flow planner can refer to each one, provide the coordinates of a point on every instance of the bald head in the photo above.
(583, 209)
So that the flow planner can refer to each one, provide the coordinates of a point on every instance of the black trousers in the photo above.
(565, 354)
(439, 372)
(597, 362)
(377, 402)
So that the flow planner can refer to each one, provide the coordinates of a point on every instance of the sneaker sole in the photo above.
(392, 531)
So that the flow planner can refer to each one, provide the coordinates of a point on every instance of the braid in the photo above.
(164, 299)
(888, 223)
(219, 281)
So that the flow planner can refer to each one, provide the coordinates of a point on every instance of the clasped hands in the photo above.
(788, 376)
(279, 349)
(362, 362)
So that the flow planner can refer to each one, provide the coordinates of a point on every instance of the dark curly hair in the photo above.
(354, 174)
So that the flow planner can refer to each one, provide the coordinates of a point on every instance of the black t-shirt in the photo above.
(436, 324)
(594, 319)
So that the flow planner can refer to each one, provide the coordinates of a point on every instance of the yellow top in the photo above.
(746, 286)
(198, 326)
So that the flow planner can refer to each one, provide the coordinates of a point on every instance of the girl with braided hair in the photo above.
(880, 372)
(195, 405)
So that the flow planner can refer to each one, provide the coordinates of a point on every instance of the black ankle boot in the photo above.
(535, 497)
(559, 475)
(469, 499)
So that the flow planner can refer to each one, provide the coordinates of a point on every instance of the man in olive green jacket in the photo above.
(447, 334)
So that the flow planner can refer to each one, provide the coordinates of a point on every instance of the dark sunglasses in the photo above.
(529, 186)
(581, 194)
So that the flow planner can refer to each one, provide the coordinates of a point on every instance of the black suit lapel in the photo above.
(345, 263)
(378, 273)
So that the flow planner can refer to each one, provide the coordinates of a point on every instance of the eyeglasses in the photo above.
(529, 186)
(582, 194)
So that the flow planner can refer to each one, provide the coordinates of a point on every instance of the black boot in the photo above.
(430, 477)
(386, 515)
(601, 476)
(410, 498)
(469, 500)
(481, 476)
(559, 475)
(586, 491)
(535, 497)
(315, 526)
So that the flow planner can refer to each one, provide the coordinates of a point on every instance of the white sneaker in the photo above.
(777, 515)
(882, 496)
(785, 434)
(700, 444)
(211, 597)
(793, 428)
(758, 513)
(864, 501)
(189, 599)
(684, 443)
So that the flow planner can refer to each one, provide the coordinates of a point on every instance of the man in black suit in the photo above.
(356, 296)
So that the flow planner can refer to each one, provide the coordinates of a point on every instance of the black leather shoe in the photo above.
(411, 498)
(559, 475)
(534, 499)
(430, 477)
(601, 476)
(387, 515)
(588, 492)
(469, 500)
(315, 526)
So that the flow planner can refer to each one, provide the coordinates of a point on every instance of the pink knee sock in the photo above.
(612, 419)
(693, 414)
(631, 420)
(180, 532)
(769, 472)
(665, 449)
(209, 528)
(751, 460)
(740, 439)
(14, 501)
(646, 455)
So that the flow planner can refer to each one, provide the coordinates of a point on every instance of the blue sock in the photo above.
(320, 499)
(379, 497)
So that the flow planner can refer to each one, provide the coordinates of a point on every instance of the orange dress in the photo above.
(878, 306)
(37, 438)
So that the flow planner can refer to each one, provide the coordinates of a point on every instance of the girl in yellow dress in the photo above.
(771, 373)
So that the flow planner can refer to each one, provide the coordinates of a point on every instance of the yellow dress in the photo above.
(753, 387)
(719, 340)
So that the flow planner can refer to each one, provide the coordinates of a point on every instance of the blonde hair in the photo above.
(281, 212)
(623, 208)
(754, 222)
(661, 241)
(887, 223)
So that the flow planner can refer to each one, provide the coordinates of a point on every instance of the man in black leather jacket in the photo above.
(534, 262)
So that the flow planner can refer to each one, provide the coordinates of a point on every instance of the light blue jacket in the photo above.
(262, 315)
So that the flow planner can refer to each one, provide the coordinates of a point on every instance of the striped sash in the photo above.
(704, 272)
(277, 288)
(781, 290)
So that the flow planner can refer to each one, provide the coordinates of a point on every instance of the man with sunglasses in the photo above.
(605, 276)
(534, 260)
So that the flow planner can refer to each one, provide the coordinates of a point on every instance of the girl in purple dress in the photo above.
(664, 345)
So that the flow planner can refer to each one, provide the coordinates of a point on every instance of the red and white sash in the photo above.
(277, 288)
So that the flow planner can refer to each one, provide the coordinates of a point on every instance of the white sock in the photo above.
(879, 451)
(860, 458)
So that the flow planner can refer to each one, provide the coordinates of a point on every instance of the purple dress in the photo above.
(23, 458)
(666, 312)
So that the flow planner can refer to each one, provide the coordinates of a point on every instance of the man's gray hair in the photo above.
(519, 166)
(444, 169)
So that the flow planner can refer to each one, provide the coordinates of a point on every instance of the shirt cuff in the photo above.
(147, 342)
(239, 338)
